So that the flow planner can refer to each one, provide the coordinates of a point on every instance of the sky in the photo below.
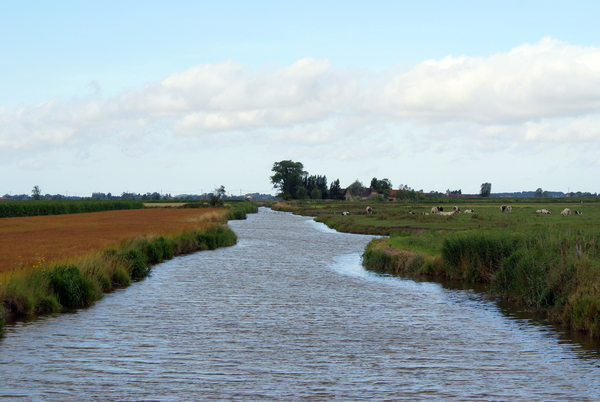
(182, 97)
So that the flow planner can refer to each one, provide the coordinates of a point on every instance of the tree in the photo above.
(486, 189)
(302, 193)
(335, 191)
(36, 193)
(315, 194)
(356, 188)
(287, 178)
(316, 182)
(538, 193)
(216, 197)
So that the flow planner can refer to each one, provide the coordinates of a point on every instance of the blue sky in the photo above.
(184, 96)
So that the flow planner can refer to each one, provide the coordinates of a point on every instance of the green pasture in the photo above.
(391, 217)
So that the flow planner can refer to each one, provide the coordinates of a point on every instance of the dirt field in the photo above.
(24, 241)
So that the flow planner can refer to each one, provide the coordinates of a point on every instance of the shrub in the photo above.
(137, 264)
(69, 286)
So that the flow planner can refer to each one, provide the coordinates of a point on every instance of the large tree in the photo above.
(486, 189)
(287, 178)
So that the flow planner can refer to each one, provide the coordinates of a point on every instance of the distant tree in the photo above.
(36, 193)
(302, 193)
(486, 189)
(335, 191)
(318, 182)
(287, 178)
(538, 193)
(356, 188)
(216, 197)
(315, 194)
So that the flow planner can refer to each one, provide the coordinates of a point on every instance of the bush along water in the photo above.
(55, 288)
(555, 272)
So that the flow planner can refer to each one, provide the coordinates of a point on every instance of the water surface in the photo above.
(289, 314)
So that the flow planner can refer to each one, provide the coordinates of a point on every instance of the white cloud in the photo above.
(543, 92)
(544, 80)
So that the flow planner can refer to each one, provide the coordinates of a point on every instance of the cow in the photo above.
(411, 212)
(566, 212)
(424, 213)
(578, 213)
(437, 210)
(505, 208)
(369, 210)
(470, 211)
(449, 213)
(346, 213)
(545, 211)
(456, 209)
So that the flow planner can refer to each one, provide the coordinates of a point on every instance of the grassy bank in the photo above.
(549, 263)
(53, 286)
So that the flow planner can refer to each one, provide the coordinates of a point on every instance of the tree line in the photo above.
(293, 182)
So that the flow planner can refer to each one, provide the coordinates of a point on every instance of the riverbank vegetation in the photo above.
(52, 263)
(547, 262)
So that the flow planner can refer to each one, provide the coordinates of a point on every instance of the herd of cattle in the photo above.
(456, 210)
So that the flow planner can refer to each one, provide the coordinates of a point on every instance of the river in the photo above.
(290, 314)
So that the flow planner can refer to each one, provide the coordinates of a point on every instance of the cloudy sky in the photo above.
(185, 96)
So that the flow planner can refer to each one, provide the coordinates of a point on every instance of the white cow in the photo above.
(566, 212)
(369, 210)
(346, 213)
(448, 213)
(456, 209)
(470, 211)
(505, 208)
(424, 213)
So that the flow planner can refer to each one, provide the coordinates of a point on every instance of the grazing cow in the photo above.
(539, 211)
(566, 212)
(470, 211)
(346, 213)
(578, 213)
(545, 211)
(448, 213)
(505, 208)
(456, 209)
(424, 213)
(411, 212)
(508, 209)
(369, 210)
(434, 210)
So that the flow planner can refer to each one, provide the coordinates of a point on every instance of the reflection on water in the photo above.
(290, 314)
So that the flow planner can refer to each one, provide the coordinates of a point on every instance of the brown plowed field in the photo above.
(24, 241)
